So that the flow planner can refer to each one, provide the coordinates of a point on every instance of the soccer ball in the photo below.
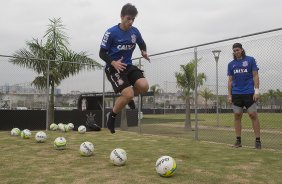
(15, 132)
(118, 157)
(63, 127)
(166, 166)
(86, 149)
(59, 125)
(60, 143)
(66, 128)
(25, 134)
(40, 136)
(53, 126)
(71, 126)
(81, 129)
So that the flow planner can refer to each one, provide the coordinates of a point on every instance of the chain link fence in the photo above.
(164, 111)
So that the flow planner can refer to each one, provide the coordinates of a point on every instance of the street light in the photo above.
(216, 54)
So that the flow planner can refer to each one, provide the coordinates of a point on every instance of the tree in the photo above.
(156, 91)
(222, 100)
(279, 97)
(186, 82)
(207, 95)
(55, 48)
(271, 94)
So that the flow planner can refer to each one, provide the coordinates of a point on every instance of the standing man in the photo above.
(116, 50)
(243, 91)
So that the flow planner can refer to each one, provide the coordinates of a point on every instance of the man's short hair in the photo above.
(129, 9)
(237, 45)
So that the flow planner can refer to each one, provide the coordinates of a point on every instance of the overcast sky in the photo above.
(164, 24)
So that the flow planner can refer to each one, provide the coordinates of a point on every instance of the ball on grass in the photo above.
(40, 136)
(86, 149)
(118, 157)
(25, 134)
(15, 132)
(166, 166)
(60, 143)
(81, 129)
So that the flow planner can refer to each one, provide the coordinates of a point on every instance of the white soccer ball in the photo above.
(86, 149)
(71, 126)
(53, 127)
(40, 136)
(63, 127)
(25, 134)
(166, 166)
(15, 132)
(60, 143)
(81, 129)
(59, 125)
(118, 157)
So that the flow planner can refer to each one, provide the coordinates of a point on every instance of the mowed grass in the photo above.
(173, 125)
(267, 120)
(25, 161)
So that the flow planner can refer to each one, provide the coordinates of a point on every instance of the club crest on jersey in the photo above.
(120, 82)
(133, 38)
(245, 63)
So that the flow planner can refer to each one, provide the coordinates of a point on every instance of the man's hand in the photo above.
(145, 55)
(256, 97)
(118, 65)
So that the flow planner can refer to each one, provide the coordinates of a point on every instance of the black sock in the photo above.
(113, 115)
(238, 139)
(257, 139)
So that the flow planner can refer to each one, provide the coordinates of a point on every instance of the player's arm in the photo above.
(229, 97)
(143, 49)
(104, 56)
(118, 65)
(256, 84)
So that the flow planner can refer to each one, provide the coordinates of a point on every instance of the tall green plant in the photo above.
(54, 47)
(186, 82)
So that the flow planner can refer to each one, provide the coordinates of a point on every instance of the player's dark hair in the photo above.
(239, 45)
(129, 9)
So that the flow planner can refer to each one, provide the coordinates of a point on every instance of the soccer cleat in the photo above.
(131, 104)
(237, 144)
(111, 123)
(92, 127)
(258, 145)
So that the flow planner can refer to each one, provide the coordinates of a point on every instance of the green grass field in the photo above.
(25, 161)
(267, 120)
(172, 125)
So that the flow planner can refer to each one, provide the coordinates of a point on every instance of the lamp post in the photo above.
(216, 57)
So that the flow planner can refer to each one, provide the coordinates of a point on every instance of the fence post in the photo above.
(103, 108)
(47, 95)
(123, 120)
(139, 105)
(196, 93)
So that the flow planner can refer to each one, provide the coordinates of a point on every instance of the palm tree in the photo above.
(156, 91)
(263, 101)
(186, 82)
(279, 97)
(207, 95)
(222, 99)
(55, 48)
